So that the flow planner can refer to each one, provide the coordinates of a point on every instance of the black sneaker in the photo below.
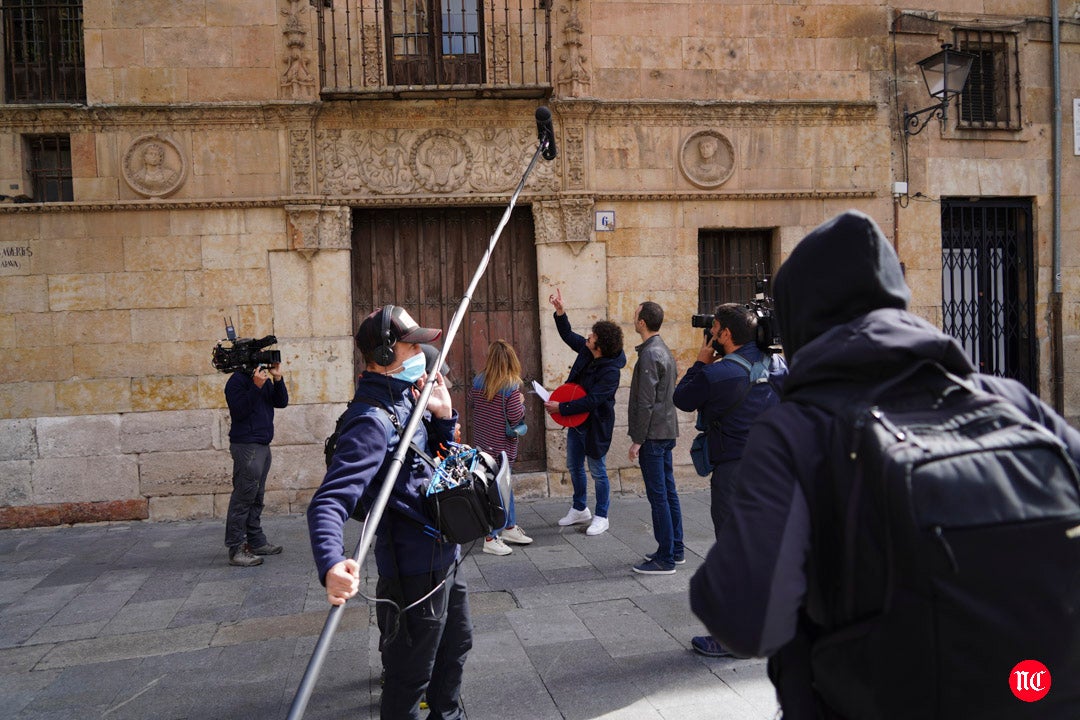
(654, 567)
(679, 559)
(267, 549)
(707, 646)
(242, 557)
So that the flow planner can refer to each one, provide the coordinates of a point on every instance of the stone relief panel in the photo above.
(300, 161)
(154, 166)
(567, 220)
(297, 81)
(393, 161)
(575, 156)
(312, 228)
(573, 78)
(707, 158)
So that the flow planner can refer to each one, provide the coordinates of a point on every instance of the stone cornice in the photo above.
(426, 200)
(772, 112)
(91, 118)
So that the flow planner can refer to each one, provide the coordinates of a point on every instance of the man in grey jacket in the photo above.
(653, 426)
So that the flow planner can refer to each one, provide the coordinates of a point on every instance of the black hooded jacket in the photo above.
(841, 304)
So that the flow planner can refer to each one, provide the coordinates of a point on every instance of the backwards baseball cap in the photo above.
(401, 326)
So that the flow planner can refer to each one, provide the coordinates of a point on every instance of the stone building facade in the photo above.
(257, 161)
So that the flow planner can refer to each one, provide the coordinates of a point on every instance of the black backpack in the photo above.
(945, 550)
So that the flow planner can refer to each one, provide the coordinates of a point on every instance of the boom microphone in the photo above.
(545, 133)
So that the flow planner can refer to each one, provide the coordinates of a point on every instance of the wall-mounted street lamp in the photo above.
(945, 74)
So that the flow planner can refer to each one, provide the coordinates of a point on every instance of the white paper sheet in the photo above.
(541, 391)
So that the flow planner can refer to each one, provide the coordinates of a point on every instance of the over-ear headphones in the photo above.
(383, 354)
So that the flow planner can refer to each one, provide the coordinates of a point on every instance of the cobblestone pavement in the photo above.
(147, 620)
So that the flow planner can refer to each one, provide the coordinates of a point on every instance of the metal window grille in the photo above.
(43, 51)
(50, 168)
(988, 285)
(991, 99)
(384, 48)
(730, 264)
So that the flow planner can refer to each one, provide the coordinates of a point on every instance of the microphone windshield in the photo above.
(545, 133)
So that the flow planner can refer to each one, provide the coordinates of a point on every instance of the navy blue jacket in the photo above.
(367, 442)
(251, 408)
(600, 378)
(716, 388)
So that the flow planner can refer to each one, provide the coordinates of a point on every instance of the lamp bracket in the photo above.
(912, 124)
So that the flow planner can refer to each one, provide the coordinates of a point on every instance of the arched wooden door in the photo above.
(423, 260)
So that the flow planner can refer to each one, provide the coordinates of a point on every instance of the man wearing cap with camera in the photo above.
(426, 631)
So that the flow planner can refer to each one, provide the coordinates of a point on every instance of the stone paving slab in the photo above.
(147, 620)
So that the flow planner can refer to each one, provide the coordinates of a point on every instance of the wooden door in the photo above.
(423, 259)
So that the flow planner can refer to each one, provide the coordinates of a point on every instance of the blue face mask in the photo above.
(412, 369)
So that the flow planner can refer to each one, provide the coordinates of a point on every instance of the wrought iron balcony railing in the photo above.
(434, 48)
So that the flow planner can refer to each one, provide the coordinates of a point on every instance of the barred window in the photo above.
(991, 98)
(730, 264)
(50, 167)
(43, 51)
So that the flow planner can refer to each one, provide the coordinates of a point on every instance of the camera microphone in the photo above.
(545, 133)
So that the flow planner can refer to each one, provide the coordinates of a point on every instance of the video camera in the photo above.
(235, 354)
(768, 334)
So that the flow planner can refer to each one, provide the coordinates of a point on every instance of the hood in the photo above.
(618, 361)
(872, 348)
(841, 270)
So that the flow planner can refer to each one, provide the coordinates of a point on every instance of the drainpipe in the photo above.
(1057, 334)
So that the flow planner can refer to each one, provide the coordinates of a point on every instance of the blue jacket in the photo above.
(716, 388)
(365, 446)
(600, 378)
(251, 408)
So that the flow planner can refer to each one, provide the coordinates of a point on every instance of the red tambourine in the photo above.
(565, 393)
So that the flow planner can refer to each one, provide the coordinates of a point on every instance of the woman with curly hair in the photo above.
(600, 358)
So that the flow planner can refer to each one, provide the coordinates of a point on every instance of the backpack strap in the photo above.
(748, 367)
(341, 426)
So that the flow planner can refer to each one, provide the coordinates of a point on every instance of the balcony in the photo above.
(434, 48)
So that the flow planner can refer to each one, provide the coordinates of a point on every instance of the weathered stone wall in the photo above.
(210, 182)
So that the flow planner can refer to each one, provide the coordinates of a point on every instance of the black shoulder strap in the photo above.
(399, 429)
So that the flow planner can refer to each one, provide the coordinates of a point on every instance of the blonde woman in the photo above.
(497, 403)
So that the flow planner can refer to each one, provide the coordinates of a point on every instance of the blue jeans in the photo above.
(511, 516)
(575, 464)
(654, 457)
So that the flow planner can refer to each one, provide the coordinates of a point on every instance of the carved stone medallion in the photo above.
(707, 158)
(154, 166)
(441, 160)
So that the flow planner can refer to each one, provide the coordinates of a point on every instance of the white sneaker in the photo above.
(496, 547)
(597, 526)
(515, 535)
(576, 517)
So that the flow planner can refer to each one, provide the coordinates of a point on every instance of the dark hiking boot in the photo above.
(242, 557)
(267, 549)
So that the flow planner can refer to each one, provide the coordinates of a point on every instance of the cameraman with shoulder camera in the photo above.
(729, 388)
(251, 396)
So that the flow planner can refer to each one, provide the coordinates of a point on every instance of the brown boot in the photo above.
(242, 556)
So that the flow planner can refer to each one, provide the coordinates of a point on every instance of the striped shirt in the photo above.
(489, 419)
